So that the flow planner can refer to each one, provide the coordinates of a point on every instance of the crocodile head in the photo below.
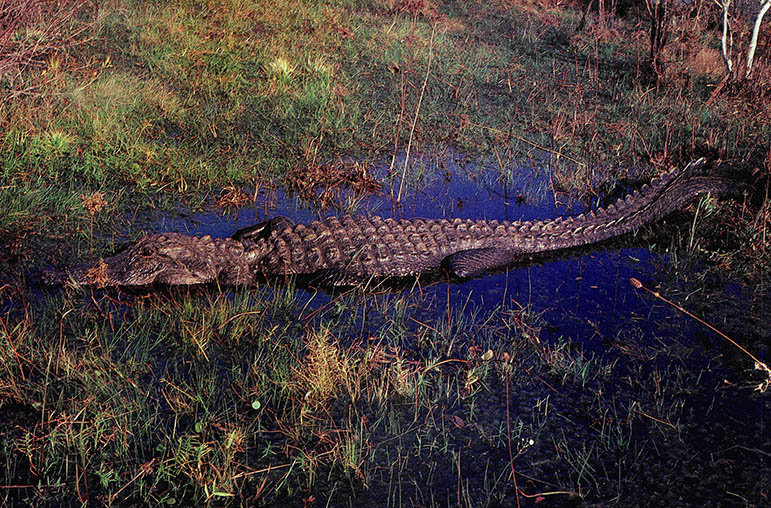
(170, 258)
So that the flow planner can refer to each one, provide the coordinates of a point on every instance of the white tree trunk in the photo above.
(726, 44)
(765, 4)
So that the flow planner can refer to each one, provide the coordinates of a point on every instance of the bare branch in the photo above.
(765, 4)
(727, 40)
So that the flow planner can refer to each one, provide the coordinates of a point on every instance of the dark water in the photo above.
(586, 299)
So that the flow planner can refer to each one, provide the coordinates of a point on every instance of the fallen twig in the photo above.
(762, 387)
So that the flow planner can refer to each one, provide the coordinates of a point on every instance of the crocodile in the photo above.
(356, 249)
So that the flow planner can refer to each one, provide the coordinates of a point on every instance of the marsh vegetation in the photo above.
(124, 118)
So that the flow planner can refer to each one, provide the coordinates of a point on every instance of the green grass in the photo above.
(184, 99)
(208, 397)
(204, 397)
(177, 397)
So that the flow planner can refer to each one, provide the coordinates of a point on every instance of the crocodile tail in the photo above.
(653, 201)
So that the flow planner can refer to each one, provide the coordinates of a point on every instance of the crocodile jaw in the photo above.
(156, 259)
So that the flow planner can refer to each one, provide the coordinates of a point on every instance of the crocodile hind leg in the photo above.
(474, 262)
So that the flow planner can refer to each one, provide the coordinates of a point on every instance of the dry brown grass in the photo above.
(327, 184)
(416, 8)
(708, 62)
(33, 36)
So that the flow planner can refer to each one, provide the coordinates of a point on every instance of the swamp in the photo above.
(630, 372)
